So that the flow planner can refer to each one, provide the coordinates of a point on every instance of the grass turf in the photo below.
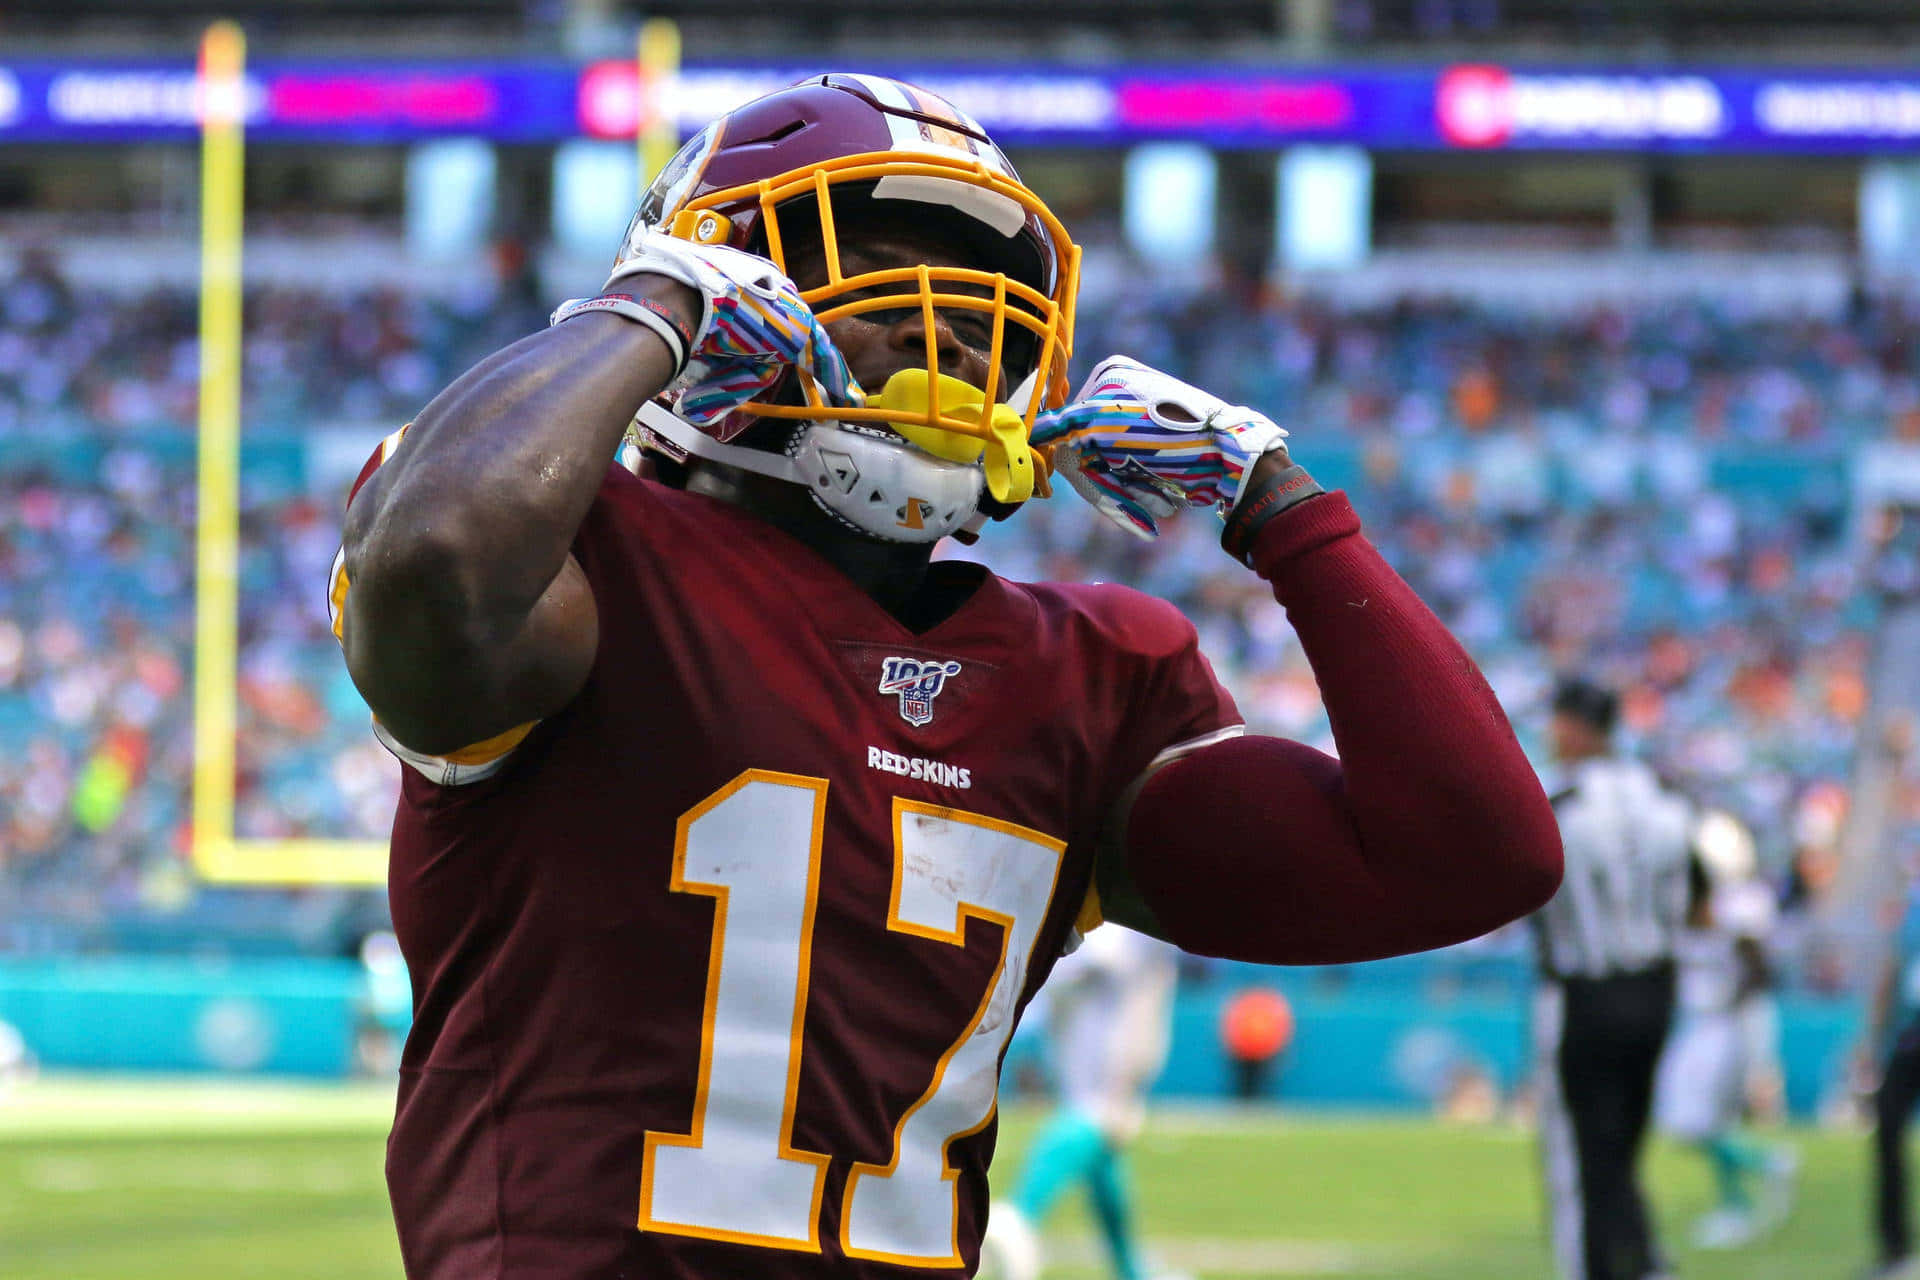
(165, 1180)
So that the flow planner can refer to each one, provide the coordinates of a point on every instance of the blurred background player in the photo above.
(1106, 1009)
(16, 1061)
(1893, 1051)
(1605, 999)
(1701, 1089)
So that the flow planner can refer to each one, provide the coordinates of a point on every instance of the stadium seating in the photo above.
(1657, 494)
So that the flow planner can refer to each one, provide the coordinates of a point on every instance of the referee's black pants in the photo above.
(1598, 1042)
(1892, 1107)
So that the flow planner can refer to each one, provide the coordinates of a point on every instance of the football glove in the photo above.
(1140, 445)
(753, 327)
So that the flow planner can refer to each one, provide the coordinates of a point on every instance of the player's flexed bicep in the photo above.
(462, 614)
(440, 674)
(1429, 829)
(467, 614)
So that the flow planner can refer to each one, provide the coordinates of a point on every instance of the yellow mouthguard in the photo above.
(1008, 460)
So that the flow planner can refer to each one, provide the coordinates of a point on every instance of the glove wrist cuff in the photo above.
(1287, 487)
(644, 311)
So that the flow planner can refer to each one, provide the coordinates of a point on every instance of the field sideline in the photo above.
(179, 1179)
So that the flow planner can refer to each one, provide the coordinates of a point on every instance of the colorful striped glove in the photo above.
(1139, 445)
(754, 327)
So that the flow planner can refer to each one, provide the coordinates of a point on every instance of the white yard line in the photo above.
(122, 1106)
(85, 1175)
(1200, 1119)
(1227, 1256)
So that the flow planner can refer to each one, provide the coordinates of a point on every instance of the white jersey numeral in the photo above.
(754, 846)
(949, 868)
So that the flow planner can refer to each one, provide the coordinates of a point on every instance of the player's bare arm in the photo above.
(466, 615)
(1429, 829)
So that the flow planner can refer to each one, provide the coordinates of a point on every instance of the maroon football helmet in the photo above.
(848, 146)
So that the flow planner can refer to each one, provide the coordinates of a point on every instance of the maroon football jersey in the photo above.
(714, 973)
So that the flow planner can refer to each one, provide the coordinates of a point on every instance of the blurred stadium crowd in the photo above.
(1657, 495)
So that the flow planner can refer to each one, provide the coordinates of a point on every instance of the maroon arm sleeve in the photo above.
(1429, 829)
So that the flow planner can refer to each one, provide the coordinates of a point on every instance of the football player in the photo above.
(737, 831)
(1107, 1012)
(1700, 1091)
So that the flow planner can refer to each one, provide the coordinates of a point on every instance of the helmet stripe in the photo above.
(890, 93)
(928, 103)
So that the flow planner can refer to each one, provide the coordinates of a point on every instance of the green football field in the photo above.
(144, 1180)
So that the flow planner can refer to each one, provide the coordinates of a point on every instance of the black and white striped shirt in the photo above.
(1624, 898)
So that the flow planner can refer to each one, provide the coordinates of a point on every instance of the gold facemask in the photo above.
(936, 412)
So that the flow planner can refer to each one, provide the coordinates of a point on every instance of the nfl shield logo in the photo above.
(918, 684)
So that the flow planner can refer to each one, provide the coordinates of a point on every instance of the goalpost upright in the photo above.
(220, 855)
(656, 128)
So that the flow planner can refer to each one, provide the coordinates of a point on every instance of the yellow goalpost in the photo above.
(656, 131)
(219, 855)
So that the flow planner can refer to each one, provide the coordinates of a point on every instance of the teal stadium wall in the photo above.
(1387, 1035)
(1399, 1050)
(291, 1017)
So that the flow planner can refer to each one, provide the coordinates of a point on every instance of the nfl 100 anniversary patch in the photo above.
(917, 682)
(930, 690)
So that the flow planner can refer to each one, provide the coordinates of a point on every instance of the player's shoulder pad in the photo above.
(379, 456)
(337, 583)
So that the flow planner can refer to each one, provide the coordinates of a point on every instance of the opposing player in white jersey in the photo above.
(1722, 968)
(1107, 1010)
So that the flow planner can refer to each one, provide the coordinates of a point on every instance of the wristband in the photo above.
(660, 319)
(1287, 487)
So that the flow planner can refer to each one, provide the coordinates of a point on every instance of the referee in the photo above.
(1606, 993)
(1893, 1043)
